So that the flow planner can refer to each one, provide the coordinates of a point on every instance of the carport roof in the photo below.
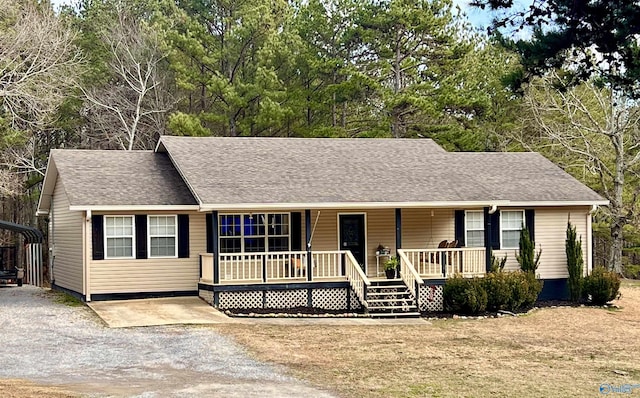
(31, 234)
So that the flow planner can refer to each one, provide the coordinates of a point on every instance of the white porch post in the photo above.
(307, 229)
(487, 238)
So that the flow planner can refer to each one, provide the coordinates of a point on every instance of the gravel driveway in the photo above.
(51, 343)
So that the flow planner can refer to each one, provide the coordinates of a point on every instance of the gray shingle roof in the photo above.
(294, 170)
(93, 178)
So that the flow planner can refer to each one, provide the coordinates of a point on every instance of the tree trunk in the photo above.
(334, 118)
(344, 115)
(617, 205)
(395, 117)
(232, 127)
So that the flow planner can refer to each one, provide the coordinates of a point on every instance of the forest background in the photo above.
(559, 77)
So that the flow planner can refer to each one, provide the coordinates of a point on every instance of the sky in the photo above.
(479, 18)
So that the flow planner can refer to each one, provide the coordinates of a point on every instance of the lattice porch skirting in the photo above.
(324, 296)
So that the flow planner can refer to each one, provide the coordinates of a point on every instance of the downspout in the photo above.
(590, 240)
(493, 209)
(51, 242)
(88, 231)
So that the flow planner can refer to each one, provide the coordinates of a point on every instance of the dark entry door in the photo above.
(352, 236)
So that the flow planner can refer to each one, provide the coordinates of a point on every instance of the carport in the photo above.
(33, 240)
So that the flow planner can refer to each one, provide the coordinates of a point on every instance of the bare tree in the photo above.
(591, 128)
(23, 159)
(39, 68)
(38, 63)
(129, 112)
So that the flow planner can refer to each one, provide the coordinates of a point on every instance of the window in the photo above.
(474, 229)
(119, 236)
(254, 233)
(230, 233)
(278, 232)
(510, 225)
(162, 236)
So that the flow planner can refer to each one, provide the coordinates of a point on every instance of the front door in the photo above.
(352, 236)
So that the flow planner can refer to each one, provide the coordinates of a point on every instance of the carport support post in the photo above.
(398, 236)
(487, 239)
(307, 230)
(215, 230)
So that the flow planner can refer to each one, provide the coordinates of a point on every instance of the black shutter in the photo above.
(183, 235)
(459, 227)
(97, 237)
(296, 231)
(495, 230)
(141, 236)
(529, 217)
(209, 219)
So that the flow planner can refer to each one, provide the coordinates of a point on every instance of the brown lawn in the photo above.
(550, 352)
(10, 388)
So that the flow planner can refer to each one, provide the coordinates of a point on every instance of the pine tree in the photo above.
(527, 258)
(573, 248)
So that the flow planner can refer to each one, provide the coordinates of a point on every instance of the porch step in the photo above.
(390, 299)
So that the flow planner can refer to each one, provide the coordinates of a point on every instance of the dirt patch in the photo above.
(563, 351)
(24, 389)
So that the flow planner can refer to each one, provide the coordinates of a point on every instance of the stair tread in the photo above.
(394, 300)
(396, 315)
(386, 293)
(394, 307)
(390, 298)
(387, 287)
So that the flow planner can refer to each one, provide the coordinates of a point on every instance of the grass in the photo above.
(563, 351)
(65, 299)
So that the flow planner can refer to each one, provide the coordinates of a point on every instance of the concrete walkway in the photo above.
(194, 311)
(158, 311)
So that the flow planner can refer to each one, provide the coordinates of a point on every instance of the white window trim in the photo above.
(133, 238)
(242, 236)
(502, 246)
(175, 249)
(466, 230)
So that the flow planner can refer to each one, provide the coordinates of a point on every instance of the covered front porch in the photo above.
(336, 280)
(336, 265)
(335, 255)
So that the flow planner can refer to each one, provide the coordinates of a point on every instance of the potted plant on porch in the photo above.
(390, 267)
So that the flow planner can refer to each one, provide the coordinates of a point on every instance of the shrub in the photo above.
(527, 256)
(498, 290)
(512, 291)
(497, 264)
(573, 248)
(464, 295)
(601, 286)
(525, 289)
(631, 271)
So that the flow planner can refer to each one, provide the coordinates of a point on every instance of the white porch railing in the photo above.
(273, 266)
(262, 267)
(357, 279)
(444, 263)
(285, 266)
(328, 264)
(409, 275)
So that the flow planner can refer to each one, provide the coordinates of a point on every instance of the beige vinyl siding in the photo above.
(152, 274)
(66, 241)
(426, 228)
(420, 230)
(379, 227)
(550, 235)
